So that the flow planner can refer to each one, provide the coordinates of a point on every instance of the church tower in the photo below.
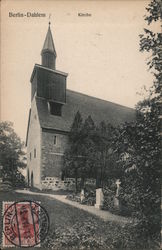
(48, 96)
(48, 52)
(46, 81)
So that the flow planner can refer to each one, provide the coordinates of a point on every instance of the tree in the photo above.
(149, 124)
(88, 150)
(80, 157)
(139, 143)
(72, 159)
(151, 42)
(11, 154)
(105, 157)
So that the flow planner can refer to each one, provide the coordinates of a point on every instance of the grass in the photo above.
(72, 228)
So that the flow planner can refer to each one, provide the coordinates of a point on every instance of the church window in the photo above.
(30, 156)
(55, 140)
(55, 108)
(48, 106)
(35, 153)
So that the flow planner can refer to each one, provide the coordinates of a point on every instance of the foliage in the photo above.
(90, 197)
(151, 41)
(73, 197)
(149, 127)
(107, 167)
(11, 154)
(139, 143)
(73, 158)
(109, 201)
(154, 11)
(90, 153)
(138, 148)
(79, 157)
(84, 235)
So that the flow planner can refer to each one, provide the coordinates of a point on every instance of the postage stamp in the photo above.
(25, 224)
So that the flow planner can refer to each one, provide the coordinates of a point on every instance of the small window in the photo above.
(30, 157)
(55, 108)
(55, 140)
(35, 153)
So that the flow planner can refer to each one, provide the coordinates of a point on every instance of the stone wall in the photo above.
(53, 148)
(55, 183)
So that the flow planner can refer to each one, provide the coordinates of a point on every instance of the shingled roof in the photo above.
(99, 110)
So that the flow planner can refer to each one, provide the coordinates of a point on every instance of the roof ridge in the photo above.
(93, 97)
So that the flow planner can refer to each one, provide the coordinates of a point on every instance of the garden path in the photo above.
(104, 215)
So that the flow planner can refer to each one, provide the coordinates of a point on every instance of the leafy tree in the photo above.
(139, 143)
(150, 125)
(80, 155)
(105, 157)
(88, 149)
(139, 151)
(76, 128)
(90, 154)
(12, 156)
(99, 159)
(73, 156)
(151, 42)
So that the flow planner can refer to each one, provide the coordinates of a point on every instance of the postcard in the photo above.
(80, 124)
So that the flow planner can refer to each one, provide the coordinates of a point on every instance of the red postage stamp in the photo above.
(25, 224)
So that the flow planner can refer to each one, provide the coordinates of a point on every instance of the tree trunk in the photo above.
(98, 178)
(97, 182)
(76, 181)
(103, 168)
(82, 182)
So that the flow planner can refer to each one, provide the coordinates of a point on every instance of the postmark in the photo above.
(25, 224)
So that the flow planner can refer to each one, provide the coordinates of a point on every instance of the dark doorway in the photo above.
(32, 179)
(28, 176)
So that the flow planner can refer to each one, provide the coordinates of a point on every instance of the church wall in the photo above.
(34, 86)
(33, 148)
(53, 148)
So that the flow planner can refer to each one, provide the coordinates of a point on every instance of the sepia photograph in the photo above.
(80, 124)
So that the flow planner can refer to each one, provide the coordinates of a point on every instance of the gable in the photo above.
(33, 121)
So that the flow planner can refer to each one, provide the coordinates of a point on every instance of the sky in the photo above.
(100, 52)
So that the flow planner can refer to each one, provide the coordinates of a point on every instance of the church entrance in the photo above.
(32, 179)
(28, 178)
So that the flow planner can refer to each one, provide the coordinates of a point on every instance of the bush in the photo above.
(97, 235)
(90, 198)
(73, 197)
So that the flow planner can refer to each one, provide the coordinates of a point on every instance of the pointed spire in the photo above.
(48, 52)
(48, 43)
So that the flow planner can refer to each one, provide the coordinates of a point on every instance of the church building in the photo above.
(53, 108)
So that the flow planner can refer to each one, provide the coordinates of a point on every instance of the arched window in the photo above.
(32, 181)
(35, 153)
(55, 140)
